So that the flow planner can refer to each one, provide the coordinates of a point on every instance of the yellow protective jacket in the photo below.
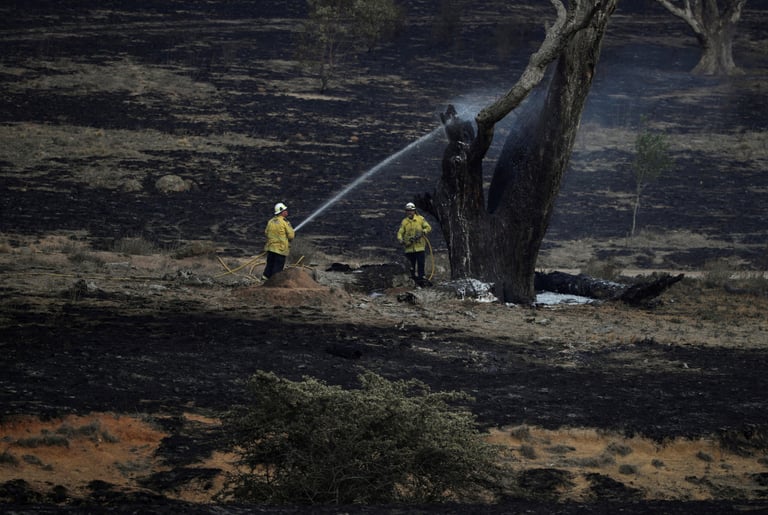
(279, 234)
(411, 233)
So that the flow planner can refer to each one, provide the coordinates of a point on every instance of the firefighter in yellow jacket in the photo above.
(279, 234)
(411, 235)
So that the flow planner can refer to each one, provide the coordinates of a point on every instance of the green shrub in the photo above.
(652, 159)
(311, 443)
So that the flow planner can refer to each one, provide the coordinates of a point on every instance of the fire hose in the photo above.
(253, 263)
(256, 261)
(431, 252)
(431, 257)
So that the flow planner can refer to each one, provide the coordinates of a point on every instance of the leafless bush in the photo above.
(304, 251)
(195, 248)
(43, 440)
(85, 258)
(610, 269)
(135, 246)
(725, 273)
(91, 431)
(528, 452)
(716, 273)
(6, 458)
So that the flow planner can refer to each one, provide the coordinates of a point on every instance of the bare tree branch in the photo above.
(684, 12)
(692, 12)
(557, 36)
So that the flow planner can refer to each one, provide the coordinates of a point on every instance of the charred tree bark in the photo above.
(714, 24)
(501, 244)
(458, 203)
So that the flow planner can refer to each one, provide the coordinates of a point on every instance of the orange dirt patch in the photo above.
(678, 469)
(121, 450)
(76, 450)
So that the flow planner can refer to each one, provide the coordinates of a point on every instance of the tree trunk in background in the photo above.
(714, 24)
(717, 53)
(500, 244)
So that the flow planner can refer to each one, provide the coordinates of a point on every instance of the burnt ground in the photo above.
(175, 350)
(99, 102)
(211, 352)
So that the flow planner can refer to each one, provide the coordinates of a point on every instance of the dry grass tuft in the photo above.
(609, 269)
(194, 249)
(135, 245)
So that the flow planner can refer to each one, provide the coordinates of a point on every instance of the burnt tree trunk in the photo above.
(500, 243)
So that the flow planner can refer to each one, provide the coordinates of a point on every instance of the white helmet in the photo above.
(280, 207)
(410, 206)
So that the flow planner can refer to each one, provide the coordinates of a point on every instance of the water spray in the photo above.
(463, 108)
(365, 176)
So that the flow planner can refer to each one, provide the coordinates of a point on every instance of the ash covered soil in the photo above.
(118, 361)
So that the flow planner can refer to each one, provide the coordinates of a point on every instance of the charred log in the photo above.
(641, 293)
(581, 285)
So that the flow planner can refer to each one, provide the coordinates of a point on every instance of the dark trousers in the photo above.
(275, 264)
(416, 259)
